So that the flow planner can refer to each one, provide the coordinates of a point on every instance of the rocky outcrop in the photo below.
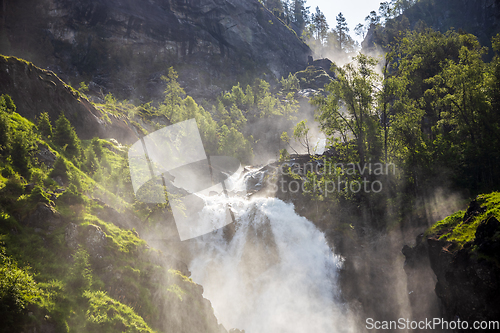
(467, 277)
(478, 17)
(35, 90)
(125, 46)
(43, 217)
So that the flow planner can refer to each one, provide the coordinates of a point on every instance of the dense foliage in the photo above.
(432, 112)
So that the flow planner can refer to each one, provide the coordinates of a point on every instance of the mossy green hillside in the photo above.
(454, 229)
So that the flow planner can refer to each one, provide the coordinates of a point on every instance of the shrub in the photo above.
(39, 195)
(7, 104)
(17, 291)
(60, 169)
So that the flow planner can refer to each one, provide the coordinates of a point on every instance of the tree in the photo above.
(360, 30)
(320, 25)
(65, 136)
(342, 30)
(350, 105)
(372, 19)
(173, 93)
(385, 11)
(44, 125)
(233, 143)
(301, 135)
(7, 104)
(5, 133)
(20, 154)
(300, 16)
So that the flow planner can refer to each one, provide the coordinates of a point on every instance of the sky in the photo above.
(354, 11)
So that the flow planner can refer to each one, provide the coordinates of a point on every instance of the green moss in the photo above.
(454, 229)
(105, 314)
(124, 241)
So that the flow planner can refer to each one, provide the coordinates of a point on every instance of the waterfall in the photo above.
(276, 273)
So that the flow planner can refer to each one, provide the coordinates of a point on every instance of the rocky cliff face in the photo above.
(478, 17)
(124, 46)
(466, 278)
(35, 90)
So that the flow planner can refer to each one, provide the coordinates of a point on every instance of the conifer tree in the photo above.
(65, 136)
(342, 30)
(44, 125)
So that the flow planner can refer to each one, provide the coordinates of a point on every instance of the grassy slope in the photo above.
(454, 229)
(68, 291)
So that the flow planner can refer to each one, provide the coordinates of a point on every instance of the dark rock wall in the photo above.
(35, 90)
(124, 46)
(466, 280)
(478, 17)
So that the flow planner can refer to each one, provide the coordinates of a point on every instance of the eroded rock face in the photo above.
(126, 45)
(35, 90)
(466, 279)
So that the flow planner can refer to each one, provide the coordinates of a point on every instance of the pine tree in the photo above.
(4, 132)
(173, 92)
(44, 125)
(20, 154)
(300, 16)
(65, 136)
(342, 30)
(320, 25)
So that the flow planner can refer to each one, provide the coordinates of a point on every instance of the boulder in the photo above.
(44, 217)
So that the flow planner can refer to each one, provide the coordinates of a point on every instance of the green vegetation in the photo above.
(429, 118)
(103, 277)
(460, 231)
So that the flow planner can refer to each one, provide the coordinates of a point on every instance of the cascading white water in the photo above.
(276, 274)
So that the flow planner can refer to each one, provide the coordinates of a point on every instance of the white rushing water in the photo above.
(276, 274)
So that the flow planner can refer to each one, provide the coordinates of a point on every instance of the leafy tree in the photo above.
(385, 10)
(350, 106)
(301, 134)
(233, 143)
(65, 136)
(44, 125)
(286, 139)
(291, 83)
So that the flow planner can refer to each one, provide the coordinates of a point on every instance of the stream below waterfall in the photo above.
(275, 274)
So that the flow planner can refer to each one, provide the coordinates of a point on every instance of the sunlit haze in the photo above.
(354, 11)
